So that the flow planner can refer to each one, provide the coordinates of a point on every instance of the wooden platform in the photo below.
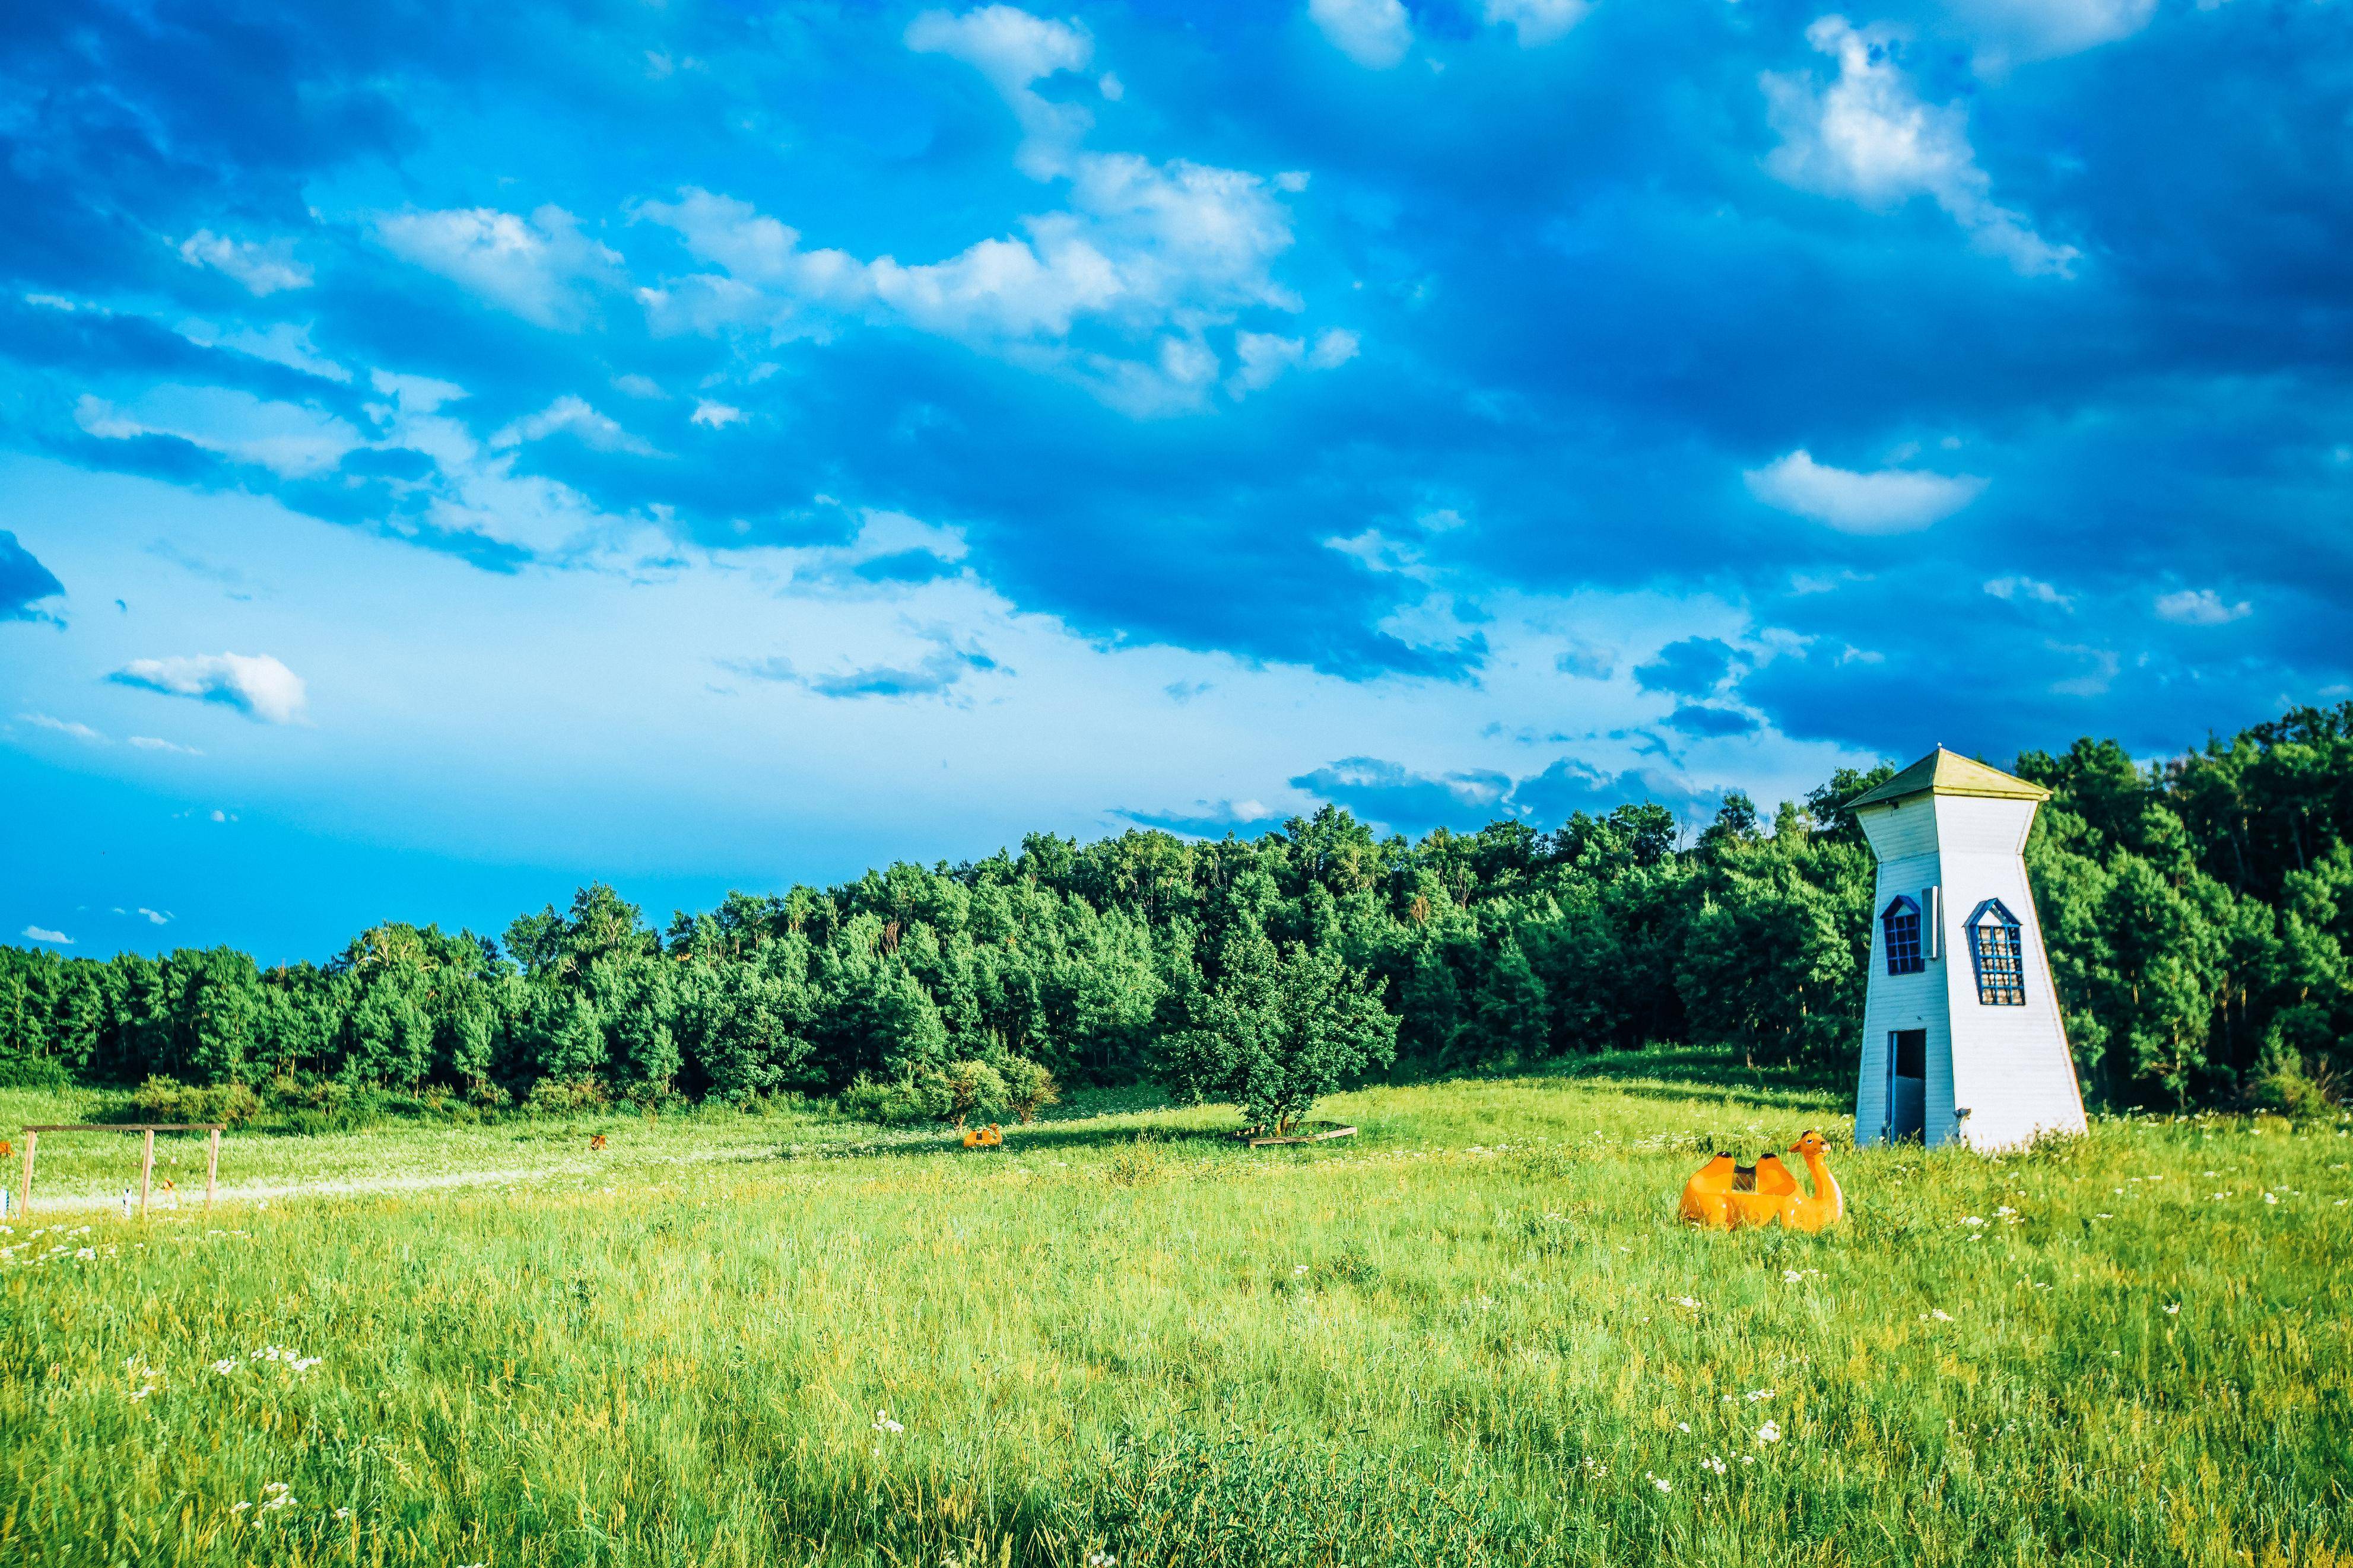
(1304, 1138)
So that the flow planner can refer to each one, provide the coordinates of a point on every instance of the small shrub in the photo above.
(1136, 1165)
(158, 1099)
(2287, 1090)
(163, 1099)
(953, 1094)
(866, 1100)
(567, 1096)
(33, 1072)
(1028, 1088)
(971, 1089)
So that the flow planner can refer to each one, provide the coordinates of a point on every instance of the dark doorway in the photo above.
(1907, 1083)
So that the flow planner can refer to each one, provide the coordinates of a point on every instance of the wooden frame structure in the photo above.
(146, 1156)
(1323, 1137)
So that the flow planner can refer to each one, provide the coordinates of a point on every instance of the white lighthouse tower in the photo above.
(1961, 1034)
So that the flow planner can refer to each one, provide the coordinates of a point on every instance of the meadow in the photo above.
(1473, 1333)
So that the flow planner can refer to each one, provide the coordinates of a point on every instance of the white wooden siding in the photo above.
(2008, 1067)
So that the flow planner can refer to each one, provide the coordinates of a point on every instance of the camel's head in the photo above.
(1810, 1143)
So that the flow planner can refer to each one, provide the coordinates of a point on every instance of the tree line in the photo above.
(2199, 914)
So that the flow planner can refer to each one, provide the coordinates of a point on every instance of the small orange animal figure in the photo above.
(596, 1141)
(987, 1137)
(1703, 1195)
(1828, 1205)
(1723, 1195)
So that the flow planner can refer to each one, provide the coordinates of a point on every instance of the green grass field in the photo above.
(1474, 1333)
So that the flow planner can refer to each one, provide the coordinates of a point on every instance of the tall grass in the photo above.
(1474, 1334)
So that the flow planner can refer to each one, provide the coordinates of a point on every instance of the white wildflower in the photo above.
(882, 1422)
(1712, 1463)
(2172, 1308)
(1769, 1433)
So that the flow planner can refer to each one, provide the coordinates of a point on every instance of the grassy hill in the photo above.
(1474, 1333)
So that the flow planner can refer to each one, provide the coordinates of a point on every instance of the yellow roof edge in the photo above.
(1948, 773)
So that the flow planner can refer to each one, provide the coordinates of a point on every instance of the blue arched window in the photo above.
(2000, 960)
(1901, 922)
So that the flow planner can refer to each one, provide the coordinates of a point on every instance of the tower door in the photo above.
(1907, 1083)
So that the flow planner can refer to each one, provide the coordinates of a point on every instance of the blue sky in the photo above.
(449, 454)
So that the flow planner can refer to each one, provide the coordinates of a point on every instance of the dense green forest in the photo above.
(2199, 914)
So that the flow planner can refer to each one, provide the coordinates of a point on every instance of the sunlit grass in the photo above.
(1463, 1336)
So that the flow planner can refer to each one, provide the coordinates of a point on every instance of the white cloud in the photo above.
(2027, 590)
(417, 395)
(2012, 32)
(717, 415)
(281, 343)
(263, 267)
(155, 917)
(80, 732)
(2200, 607)
(42, 933)
(1265, 356)
(1372, 33)
(1014, 50)
(573, 416)
(1869, 137)
(1537, 22)
(2093, 682)
(1143, 247)
(1376, 551)
(254, 684)
(150, 744)
(1159, 252)
(1891, 501)
(289, 438)
(541, 268)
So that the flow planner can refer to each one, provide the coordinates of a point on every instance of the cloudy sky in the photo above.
(448, 454)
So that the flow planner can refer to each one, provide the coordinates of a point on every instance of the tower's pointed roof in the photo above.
(1948, 773)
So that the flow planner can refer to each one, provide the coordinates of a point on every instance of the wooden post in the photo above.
(25, 1197)
(146, 1170)
(212, 1168)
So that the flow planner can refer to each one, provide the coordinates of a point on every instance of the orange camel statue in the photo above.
(1723, 1195)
